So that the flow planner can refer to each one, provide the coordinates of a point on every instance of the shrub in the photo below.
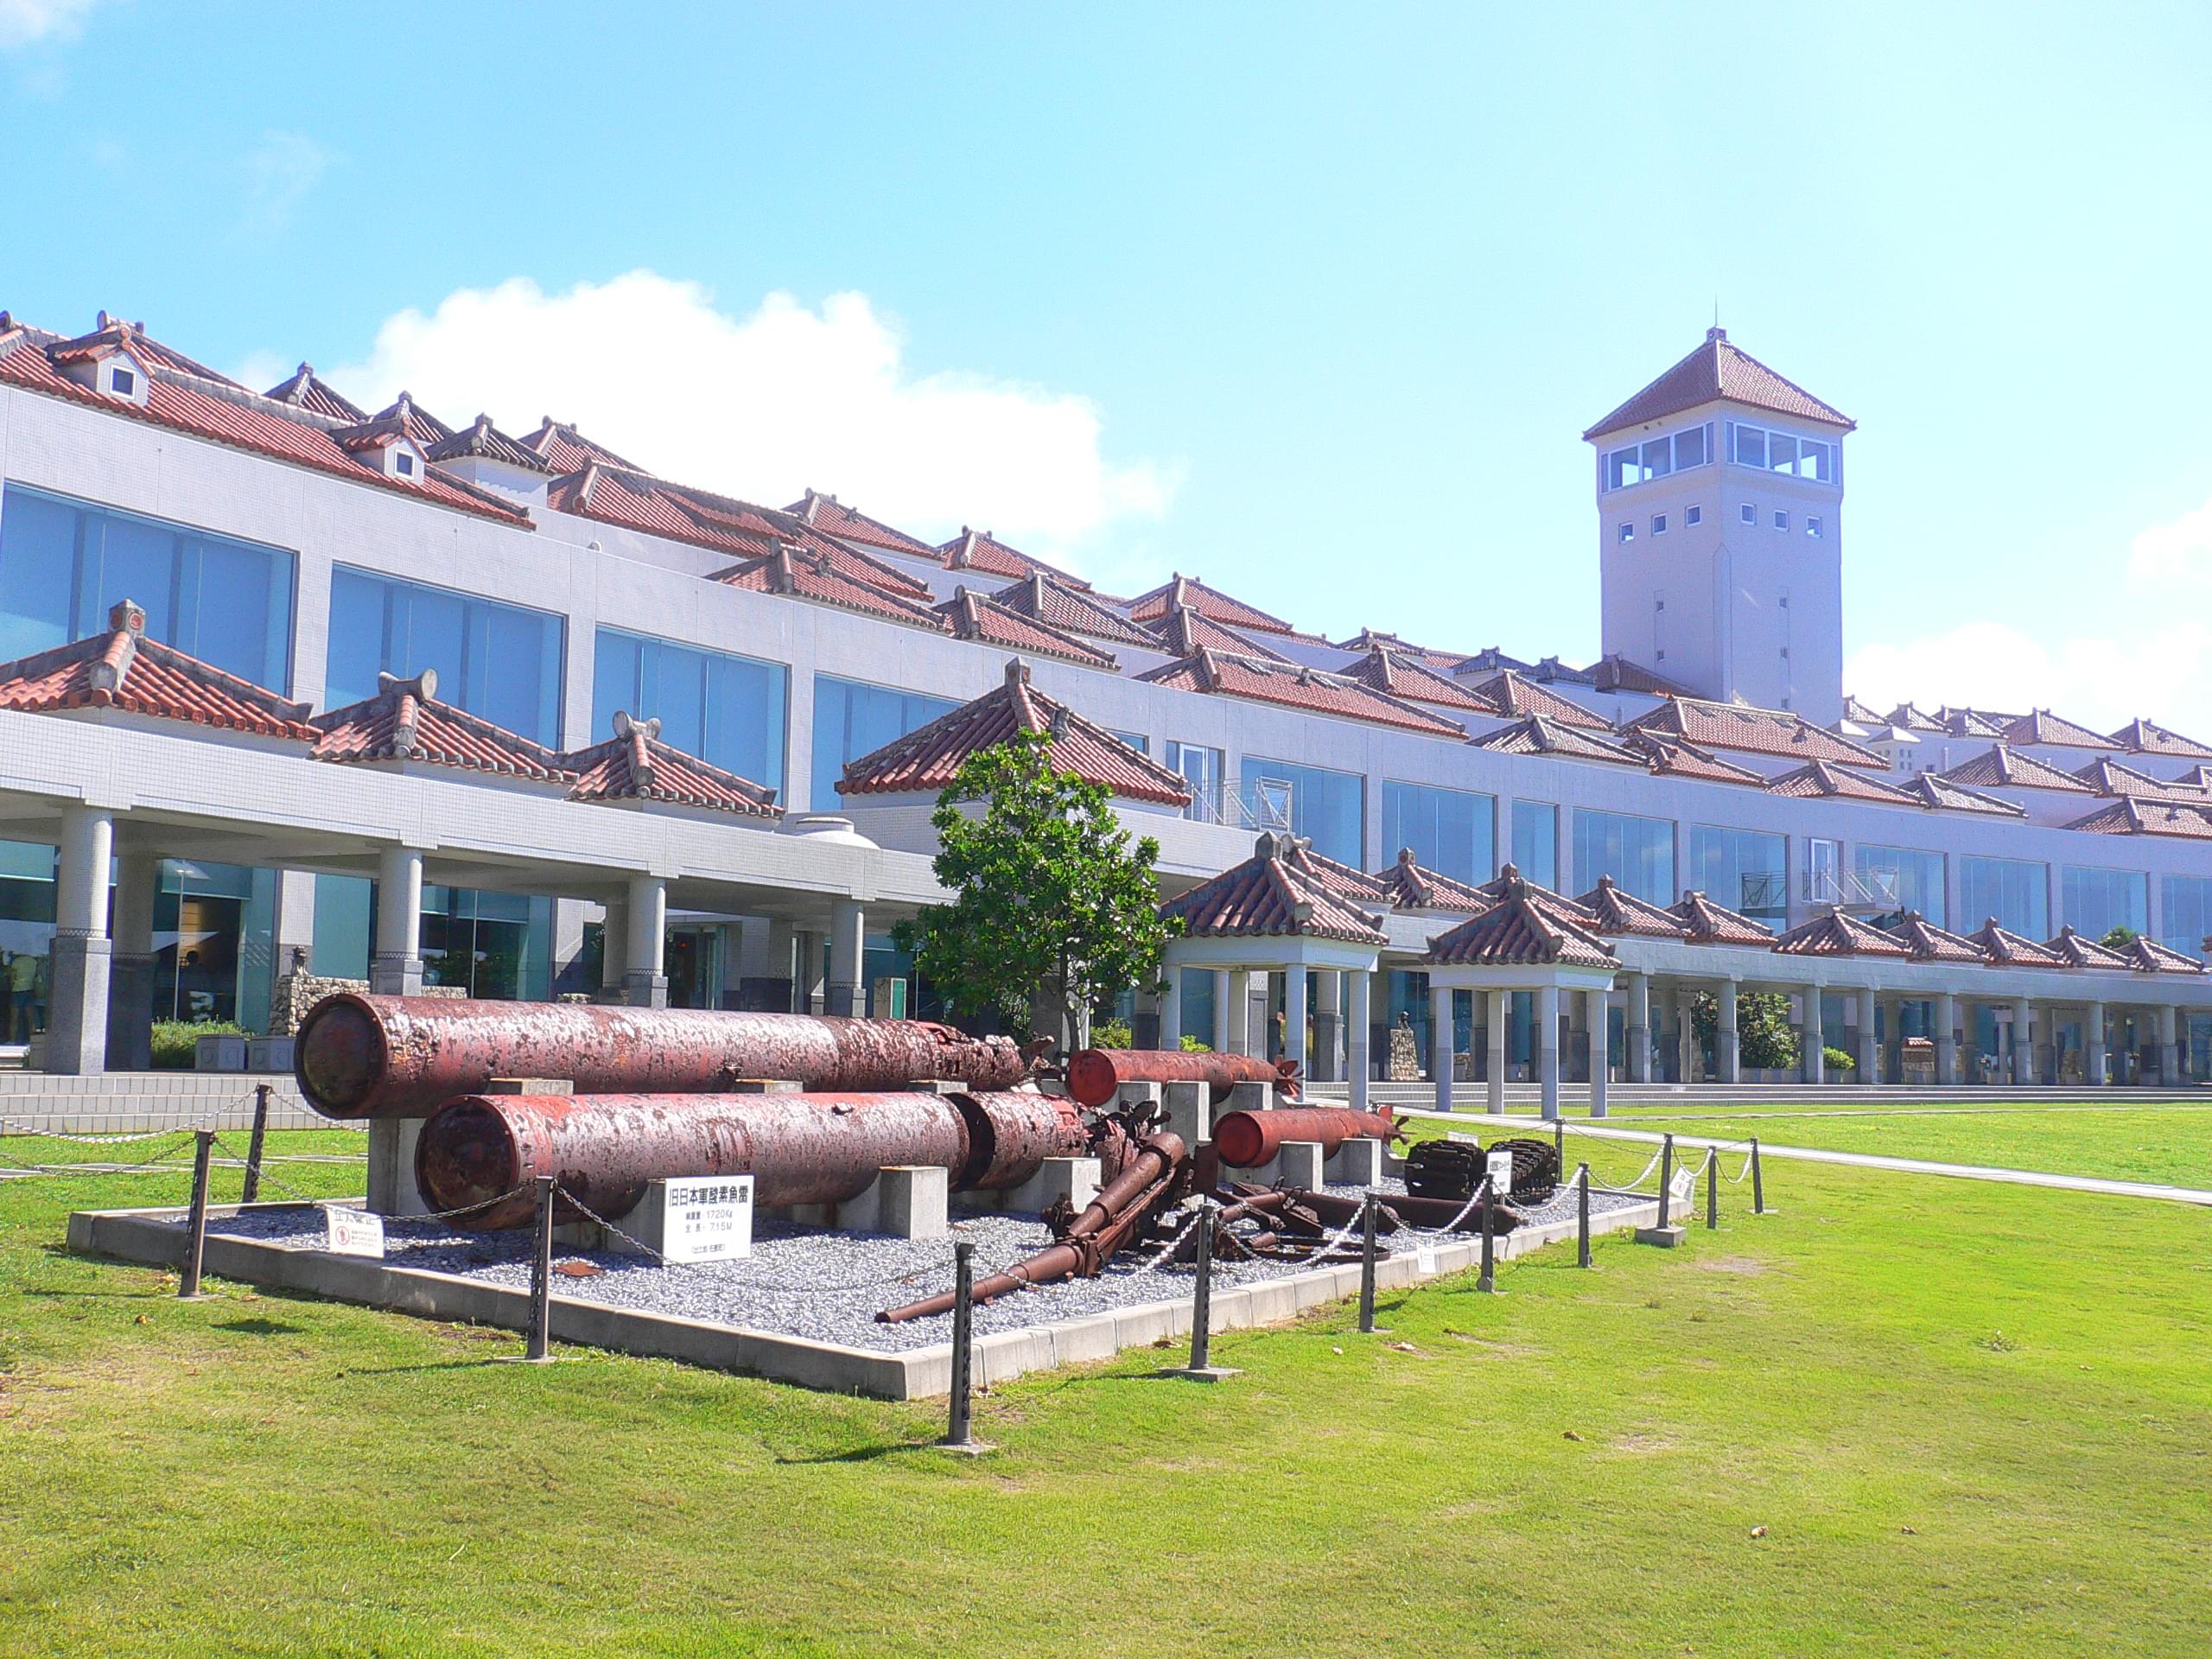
(1112, 1034)
(1194, 1046)
(176, 1042)
(1836, 1059)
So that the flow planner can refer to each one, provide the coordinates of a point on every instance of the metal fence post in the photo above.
(1666, 1177)
(1559, 1142)
(252, 1191)
(1712, 1188)
(1582, 1216)
(957, 1428)
(1488, 1281)
(196, 1244)
(1202, 1293)
(1367, 1265)
(1758, 1189)
(541, 1274)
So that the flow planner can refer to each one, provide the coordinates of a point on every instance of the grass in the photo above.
(1969, 1418)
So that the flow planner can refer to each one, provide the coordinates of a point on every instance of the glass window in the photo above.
(1624, 467)
(2184, 913)
(1902, 878)
(64, 564)
(1658, 523)
(1658, 458)
(1813, 528)
(1637, 853)
(852, 718)
(2014, 891)
(1451, 831)
(1624, 533)
(1816, 459)
(499, 662)
(1780, 453)
(1750, 514)
(1136, 741)
(722, 707)
(1781, 520)
(27, 871)
(2096, 901)
(1330, 808)
(214, 951)
(343, 926)
(1744, 869)
(495, 944)
(1535, 841)
(1751, 446)
(1203, 769)
(1198, 1005)
(1692, 515)
(1689, 448)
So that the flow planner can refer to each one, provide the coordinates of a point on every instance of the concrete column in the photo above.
(1171, 1011)
(1547, 1049)
(1226, 989)
(2024, 1043)
(645, 978)
(1499, 1014)
(1814, 1038)
(1440, 1044)
(1947, 1039)
(77, 968)
(1870, 1044)
(1360, 1066)
(2169, 1069)
(1636, 1031)
(1329, 1028)
(807, 989)
(2095, 1069)
(1681, 1014)
(613, 945)
(1238, 1003)
(847, 934)
(130, 968)
(1727, 1051)
(1598, 1002)
(1294, 1014)
(396, 964)
(782, 963)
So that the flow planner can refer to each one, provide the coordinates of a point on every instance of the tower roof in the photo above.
(1715, 370)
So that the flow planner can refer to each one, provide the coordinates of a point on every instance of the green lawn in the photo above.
(1971, 1419)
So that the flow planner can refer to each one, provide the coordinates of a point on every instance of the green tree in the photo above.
(1763, 1038)
(2119, 936)
(1056, 910)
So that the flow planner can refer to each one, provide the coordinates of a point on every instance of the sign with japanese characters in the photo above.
(708, 1218)
(353, 1232)
(1501, 1174)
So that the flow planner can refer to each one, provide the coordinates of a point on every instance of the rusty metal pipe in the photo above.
(1247, 1139)
(400, 1056)
(1095, 1075)
(799, 1149)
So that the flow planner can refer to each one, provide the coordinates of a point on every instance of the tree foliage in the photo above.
(2119, 936)
(1056, 911)
(1763, 1038)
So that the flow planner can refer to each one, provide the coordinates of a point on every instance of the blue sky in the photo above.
(1313, 303)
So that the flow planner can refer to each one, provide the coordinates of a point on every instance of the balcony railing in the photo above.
(1869, 890)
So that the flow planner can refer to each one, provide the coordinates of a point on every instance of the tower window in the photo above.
(1781, 519)
(124, 383)
(1639, 463)
(1658, 523)
(1751, 513)
(1813, 528)
(1625, 533)
(1781, 452)
(406, 463)
(1692, 516)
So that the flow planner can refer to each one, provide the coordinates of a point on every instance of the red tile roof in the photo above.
(1818, 779)
(1712, 924)
(971, 616)
(928, 758)
(978, 549)
(1912, 719)
(123, 668)
(634, 764)
(1182, 631)
(1401, 676)
(2130, 816)
(1672, 758)
(304, 390)
(2041, 726)
(2149, 957)
(1540, 735)
(481, 440)
(1191, 593)
(1296, 688)
(1368, 640)
(1835, 934)
(405, 721)
(1860, 715)
(1618, 673)
(1928, 943)
(2107, 776)
(808, 574)
(2004, 768)
(1939, 794)
(1513, 695)
(1619, 911)
(1409, 887)
(1519, 931)
(567, 450)
(1718, 369)
(1557, 906)
(248, 426)
(2006, 949)
(2082, 952)
(1273, 895)
(2142, 737)
(1754, 731)
(833, 518)
(1972, 722)
(1037, 597)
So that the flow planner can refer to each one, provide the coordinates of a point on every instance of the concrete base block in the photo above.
(1139, 1094)
(1189, 1107)
(1201, 1373)
(761, 1086)
(908, 1201)
(392, 1189)
(1076, 1179)
(1249, 1097)
(1296, 1163)
(1666, 1237)
(530, 1086)
(1358, 1162)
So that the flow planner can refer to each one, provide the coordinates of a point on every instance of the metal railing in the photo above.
(1870, 889)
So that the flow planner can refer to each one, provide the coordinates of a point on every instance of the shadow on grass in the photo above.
(427, 1365)
(259, 1327)
(862, 1454)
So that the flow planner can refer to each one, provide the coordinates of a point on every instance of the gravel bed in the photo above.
(827, 1286)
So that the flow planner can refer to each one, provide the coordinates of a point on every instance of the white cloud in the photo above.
(766, 405)
(23, 22)
(2179, 554)
(280, 170)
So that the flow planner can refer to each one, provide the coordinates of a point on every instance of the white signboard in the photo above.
(708, 1218)
(353, 1232)
(1683, 1187)
(1501, 1174)
(1425, 1259)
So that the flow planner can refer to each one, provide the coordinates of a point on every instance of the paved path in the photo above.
(1864, 1161)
